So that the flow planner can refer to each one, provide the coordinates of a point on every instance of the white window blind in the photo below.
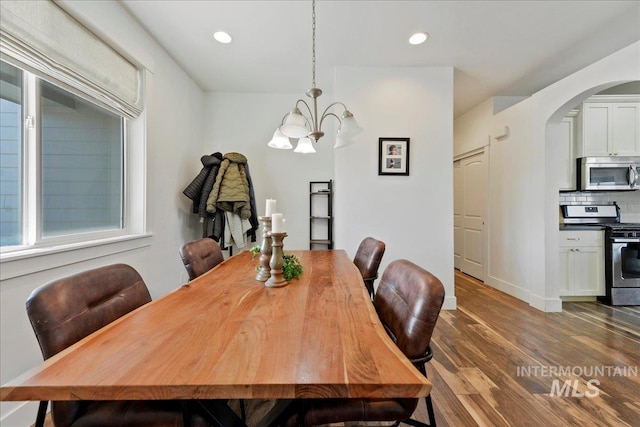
(42, 36)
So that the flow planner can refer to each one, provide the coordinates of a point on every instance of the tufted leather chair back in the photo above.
(64, 311)
(367, 259)
(200, 256)
(408, 302)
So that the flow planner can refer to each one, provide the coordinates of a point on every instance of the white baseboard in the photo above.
(450, 303)
(548, 305)
(508, 288)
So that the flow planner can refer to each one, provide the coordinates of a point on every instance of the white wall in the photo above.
(512, 175)
(412, 214)
(523, 185)
(174, 143)
(244, 123)
(472, 130)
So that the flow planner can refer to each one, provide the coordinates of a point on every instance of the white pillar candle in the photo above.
(270, 208)
(277, 223)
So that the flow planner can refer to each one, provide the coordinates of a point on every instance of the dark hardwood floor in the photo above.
(496, 360)
(494, 356)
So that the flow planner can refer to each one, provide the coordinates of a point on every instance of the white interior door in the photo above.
(470, 179)
(458, 198)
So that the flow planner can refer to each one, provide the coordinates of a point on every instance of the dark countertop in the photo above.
(574, 227)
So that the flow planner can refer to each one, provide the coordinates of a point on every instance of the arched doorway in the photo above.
(558, 126)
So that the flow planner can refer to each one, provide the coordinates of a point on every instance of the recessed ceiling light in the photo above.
(418, 38)
(222, 37)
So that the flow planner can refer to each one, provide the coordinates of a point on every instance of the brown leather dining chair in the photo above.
(200, 256)
(65, 311)
(367, 259)
(408, 303)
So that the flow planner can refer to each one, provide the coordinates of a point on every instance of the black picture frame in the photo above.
(393, 156)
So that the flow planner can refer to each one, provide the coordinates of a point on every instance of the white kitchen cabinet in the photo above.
(581, 263)
(609, 128)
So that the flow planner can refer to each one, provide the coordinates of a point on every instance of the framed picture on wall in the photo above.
(393, 156)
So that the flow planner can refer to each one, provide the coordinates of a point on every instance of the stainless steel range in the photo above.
(621, 249)
(622, 264)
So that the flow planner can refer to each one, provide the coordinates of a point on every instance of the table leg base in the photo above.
(220, 414)
(275, 413)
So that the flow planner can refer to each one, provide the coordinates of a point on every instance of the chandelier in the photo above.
(307, 126)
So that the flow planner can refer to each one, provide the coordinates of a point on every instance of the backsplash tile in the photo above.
(628, 201)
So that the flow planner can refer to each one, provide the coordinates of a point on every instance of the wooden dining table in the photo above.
(225, 335)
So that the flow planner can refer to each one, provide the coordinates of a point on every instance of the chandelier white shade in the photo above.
(305, 146)
(295, 125)
(348, 126)
(306, 125)
(280, 141)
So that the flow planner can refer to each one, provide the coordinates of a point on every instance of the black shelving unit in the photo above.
(321, 214)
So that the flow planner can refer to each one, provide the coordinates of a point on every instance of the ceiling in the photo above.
(497, 48)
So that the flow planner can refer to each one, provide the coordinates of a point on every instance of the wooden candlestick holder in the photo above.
(277, 261)
(264, 270)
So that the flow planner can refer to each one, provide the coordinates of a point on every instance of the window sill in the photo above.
(29, 261)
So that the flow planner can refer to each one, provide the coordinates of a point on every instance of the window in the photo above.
(62, 164)
(10, 155)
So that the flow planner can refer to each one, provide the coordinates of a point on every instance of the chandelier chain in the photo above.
(313, 38)
(307, 126)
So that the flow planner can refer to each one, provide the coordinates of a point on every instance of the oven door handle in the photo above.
(625, 240)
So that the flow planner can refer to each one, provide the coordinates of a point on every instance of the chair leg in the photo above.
(415, 423)
(42, 413)
(432, 417)
(369, 285)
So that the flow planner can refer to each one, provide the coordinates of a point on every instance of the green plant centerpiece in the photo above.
(255, 251)
(291, 267)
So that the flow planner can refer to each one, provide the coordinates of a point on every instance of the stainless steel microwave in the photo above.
(608, 173)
